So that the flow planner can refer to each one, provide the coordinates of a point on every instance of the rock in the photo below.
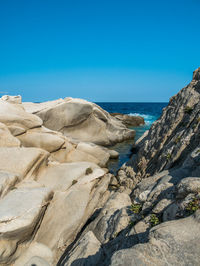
(6, 139)
(188, 185)
(20, 211)
(16, 130)
(22, 161)
(129, 120)
(73, 208)
(81, 156)
(113, 218)
(7, 181)
(35, 254)
(81, 120)
(12, 99)
(14, 114)
(87, 251)
(171, 243)
(96, 151)
(61, 176)
(113, 154)
(162, 205)
(47, 141)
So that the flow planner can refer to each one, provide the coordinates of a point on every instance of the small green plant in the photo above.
(188, 110)
(74, 182)
(177, 140)
(193, 206)
(194, 126)
(168, 156)
(13, 188)
(136, 208)
(154, 220)
(131, 223)
(88, 171)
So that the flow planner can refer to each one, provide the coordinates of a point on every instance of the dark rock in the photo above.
(129, 120)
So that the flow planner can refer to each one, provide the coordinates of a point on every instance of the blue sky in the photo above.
(100, 50)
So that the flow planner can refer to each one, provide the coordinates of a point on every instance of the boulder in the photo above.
(47, 141)
(129, 120)
(81, 120)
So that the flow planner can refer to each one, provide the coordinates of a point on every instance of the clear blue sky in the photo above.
(100, 50)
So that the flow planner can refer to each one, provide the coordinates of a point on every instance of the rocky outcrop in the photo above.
(152, 214)
(82, 120)
(50, 185)
(129, 120)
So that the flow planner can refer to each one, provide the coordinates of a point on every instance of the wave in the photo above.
(149, 119)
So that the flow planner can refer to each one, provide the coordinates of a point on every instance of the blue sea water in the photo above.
(150, 112)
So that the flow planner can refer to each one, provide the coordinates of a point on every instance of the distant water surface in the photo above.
(150, 112)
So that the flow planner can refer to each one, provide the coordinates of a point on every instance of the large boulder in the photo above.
(81, 120)
(41, 139)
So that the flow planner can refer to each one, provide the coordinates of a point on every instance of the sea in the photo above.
(149, 111)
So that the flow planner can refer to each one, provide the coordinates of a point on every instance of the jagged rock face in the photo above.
(173, 243)
(174, 135)
(81, 120)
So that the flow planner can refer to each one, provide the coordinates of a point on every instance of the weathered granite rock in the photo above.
(47, 141)
(96, 151)
(73, 208)
(20, 211)
(171, 243)
(36, 254)
(112, 219)
(22, 161)
(14, 114)
(87, 251)
(81, 120)
(62, 176)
